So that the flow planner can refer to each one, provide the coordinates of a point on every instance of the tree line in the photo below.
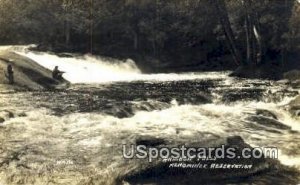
(180, 32)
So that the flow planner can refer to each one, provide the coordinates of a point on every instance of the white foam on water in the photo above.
(90, 133)
(87, 69)
(95, 69)
(88, 136)
(292, 161)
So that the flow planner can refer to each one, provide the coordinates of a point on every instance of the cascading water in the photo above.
(77, 134)
(87, 69)
(92, 69)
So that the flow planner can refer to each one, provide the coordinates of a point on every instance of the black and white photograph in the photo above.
(149, 92)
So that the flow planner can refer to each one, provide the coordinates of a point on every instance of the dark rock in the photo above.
(235, 140)
(255, 126)
(150, 141)
(146, 106)
(194, 100)
(265, 71)
(292, 75)
(235, 95)
(295, 110)
(166, 99)
(121, 112)
(150, 106)
(278, 96)
(28, 74)
(268, 122)
(164, 172)
(2, 120)
(6, 114)
(22, 114)
(9, 114)
(65, 55)
(294, 107)
(266, 113)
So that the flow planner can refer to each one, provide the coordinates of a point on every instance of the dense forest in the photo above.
(160, 34)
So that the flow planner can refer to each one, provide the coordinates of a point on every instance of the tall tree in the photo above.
(253, 37)
(222, 13)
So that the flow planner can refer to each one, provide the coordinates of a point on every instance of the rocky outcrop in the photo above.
(200, 98)
(270, 71)
(294, 107)
(27, 73)
(215, 171)
(266, 113)
(293, 77)
(267, 122)
(150, 141)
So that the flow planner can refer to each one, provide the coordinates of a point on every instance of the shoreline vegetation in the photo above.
(255, 39)
(252, 36)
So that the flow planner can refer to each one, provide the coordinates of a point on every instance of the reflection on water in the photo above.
(71, 136)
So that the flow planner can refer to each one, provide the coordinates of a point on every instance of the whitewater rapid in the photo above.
(111, 103)
(96, 69)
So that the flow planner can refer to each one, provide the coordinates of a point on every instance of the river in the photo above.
(70, 136)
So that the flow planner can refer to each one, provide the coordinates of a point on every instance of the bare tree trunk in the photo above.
(256, 30)
(249, 32)
(259, 52)
(67, 33)
(91, 44)
(248, 40)
(154, 47)
(135, 40)
(222, 13)
(253, 37)
(67, 23)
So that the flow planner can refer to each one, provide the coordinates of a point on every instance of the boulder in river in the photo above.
(120, 111)
(7, 114)
(266, 113)
(294, 107)
(270, 70)
(292, 75)
(150, 141)
(202, 170)
(270, 123)
(265, 71)
(201, 98)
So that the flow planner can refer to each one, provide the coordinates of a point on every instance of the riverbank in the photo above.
(27, 73)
